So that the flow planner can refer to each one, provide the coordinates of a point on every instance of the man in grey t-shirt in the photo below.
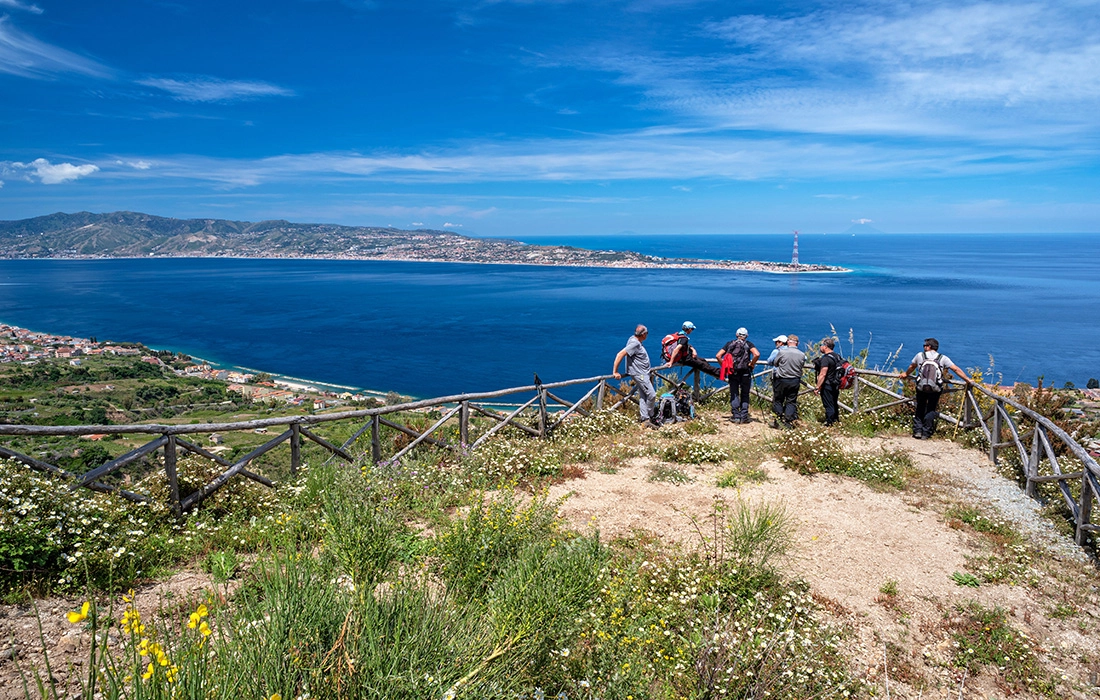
(786, 382)
(637, 367)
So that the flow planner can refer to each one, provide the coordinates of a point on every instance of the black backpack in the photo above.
(739, 351)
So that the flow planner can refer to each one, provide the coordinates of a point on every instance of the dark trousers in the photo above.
(830, 400)
(785, 399)
(924, 419)
(700, 364)
(740, 384)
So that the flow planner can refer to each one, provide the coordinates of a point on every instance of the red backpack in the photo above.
(845, 374)
(668, 345)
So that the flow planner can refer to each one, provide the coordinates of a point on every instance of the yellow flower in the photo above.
(274, 696)
(75, 617)
(148, 672)
(196, 617)
(172, 673)
(204, 629)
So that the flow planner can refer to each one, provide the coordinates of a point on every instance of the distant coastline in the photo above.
(130, 235)
(773, 268)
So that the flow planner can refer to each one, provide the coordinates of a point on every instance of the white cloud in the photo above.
(135, 164)
(836, 196)
(51, 174)
(17, 5)
(417, 223)
(23, 55)
(979, 70)
(862, 221)
(450, 225)
(208, 89)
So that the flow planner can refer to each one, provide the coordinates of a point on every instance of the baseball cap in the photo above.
(779, 339)
(743, 331)
(688, 326)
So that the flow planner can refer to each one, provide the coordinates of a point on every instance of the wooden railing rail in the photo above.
(999, 422)
(169, 439)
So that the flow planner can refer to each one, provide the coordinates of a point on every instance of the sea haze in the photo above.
(1026, 303)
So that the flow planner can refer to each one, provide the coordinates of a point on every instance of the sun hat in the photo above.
(688, 326)
(779, 339)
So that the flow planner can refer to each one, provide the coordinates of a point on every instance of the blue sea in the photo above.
(1021, 306)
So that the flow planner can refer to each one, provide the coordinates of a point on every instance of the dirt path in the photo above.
(852, 539)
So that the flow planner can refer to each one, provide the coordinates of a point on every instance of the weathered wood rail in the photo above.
(548, 408)
(1043, 449)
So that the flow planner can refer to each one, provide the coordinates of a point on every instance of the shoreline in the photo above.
(766, 267)
(297, 384)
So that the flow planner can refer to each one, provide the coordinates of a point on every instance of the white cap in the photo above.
(779, 339)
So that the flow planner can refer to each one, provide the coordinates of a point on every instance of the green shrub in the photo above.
(511, 460)
(475, 550)
(694, 451)
(983, 637)
(812, 450)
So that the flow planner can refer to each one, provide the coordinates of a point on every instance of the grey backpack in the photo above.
(929, 374)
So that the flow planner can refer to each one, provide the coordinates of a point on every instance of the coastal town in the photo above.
(28, 347)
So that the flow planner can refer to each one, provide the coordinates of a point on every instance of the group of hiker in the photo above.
(737, 361)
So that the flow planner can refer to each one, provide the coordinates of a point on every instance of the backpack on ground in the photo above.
(668, 345)
(675, 406)
(685, 403)
(929, 374)
(666, 409)
(845, 373)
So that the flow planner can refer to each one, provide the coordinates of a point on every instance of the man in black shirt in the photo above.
(828, 383)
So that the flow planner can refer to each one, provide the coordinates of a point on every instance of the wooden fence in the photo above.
(1040, 445)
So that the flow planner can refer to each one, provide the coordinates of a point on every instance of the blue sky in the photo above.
(525, 117)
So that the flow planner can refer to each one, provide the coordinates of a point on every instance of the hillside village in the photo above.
(28, 347)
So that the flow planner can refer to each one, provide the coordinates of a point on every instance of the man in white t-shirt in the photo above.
(931, 376)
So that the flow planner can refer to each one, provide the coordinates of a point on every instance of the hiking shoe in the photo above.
(775, 425)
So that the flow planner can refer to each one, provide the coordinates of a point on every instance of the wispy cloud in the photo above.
(715, 156)
(49, 173)
(23, 55)
(209, 89)
(981, 70)
(25, 7)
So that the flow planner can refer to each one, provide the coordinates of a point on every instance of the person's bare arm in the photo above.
(615, 367)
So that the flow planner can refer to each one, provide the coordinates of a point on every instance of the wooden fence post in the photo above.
(375, 439)
(1032, 470)
(995, 433)
(543, 419)
(464, 423)
(600, 394)
(855, 395)
(295, 447)
(968, 407)
(170, 471)
(1084, 508)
